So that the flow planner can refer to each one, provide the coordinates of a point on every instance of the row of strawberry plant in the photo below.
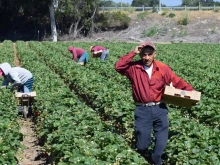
(73, 132)
(102, 94)
(10, 136)
(191, 62)
(206, 112)
(94, 63)
(186, 145)
(7, 52)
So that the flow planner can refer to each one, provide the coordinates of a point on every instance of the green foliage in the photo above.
(216, 10)
(144, 33)
(116, 19)
(142, 15)
(190, 142)
(196, 2)
(152, 31)
(121, 18)
(163, 13)
(154, 10)
(67, 123)
(184, 20)
(78, 134)
(148, 3)
(213, 30)
(171, 15)
(132, 9)
(182, 33)
(10, 137)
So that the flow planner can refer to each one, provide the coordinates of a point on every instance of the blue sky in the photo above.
(166, 2)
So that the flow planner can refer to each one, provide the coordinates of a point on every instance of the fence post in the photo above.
(38, 35)
(214, 7)
(199, 6)
(143, 8)
(185, 7)
(171, 8)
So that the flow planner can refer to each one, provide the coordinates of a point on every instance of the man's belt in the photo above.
(148, 104)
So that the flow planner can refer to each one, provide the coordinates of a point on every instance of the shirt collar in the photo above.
(141, 66)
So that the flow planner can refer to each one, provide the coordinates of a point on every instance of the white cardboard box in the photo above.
(19, 94)
(181, 97)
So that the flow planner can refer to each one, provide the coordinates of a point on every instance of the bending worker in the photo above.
(79, 53)
(148, 78)
(17, 76)
(99, 51)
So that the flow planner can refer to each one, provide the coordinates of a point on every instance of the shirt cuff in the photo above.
(132, 53)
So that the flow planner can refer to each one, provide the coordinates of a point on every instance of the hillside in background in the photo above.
(170, 26)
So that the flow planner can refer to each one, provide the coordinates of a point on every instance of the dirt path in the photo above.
(31, 154)
(16, 60)
(32, 151)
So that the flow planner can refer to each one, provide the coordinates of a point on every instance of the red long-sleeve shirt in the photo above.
(77, 52)
(97, 48)
(147, 90)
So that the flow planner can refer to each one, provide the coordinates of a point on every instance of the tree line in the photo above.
(34, 20)
(152, 3)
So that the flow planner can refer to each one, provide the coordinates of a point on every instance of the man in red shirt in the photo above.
(148, 78)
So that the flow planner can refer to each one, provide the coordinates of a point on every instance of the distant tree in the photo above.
(145, 3)
(80, 14)
(122, 4)
(108, 3)
(196, 2)
(20, 16)
(207, 2)
(52, 5)
(189, 2)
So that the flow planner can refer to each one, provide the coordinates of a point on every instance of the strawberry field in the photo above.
(86, 113)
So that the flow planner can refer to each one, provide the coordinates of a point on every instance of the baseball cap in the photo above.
(148, 43)
(91, 47)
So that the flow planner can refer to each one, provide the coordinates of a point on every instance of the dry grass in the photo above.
(193, 15)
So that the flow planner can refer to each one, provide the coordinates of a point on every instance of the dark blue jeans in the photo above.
(27, 87)
(147, 119)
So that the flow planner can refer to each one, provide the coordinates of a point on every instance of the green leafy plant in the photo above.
(144, 33)
(132, 9)
(171, 15)
(184, 20)
(216, 10)
(142, 15)
(152, 31)
(212, 30)
(154, 10)
(96, 121)
(182, 33)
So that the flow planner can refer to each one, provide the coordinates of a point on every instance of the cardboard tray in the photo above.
(31, 94)
(97, 54)
(181, 97)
